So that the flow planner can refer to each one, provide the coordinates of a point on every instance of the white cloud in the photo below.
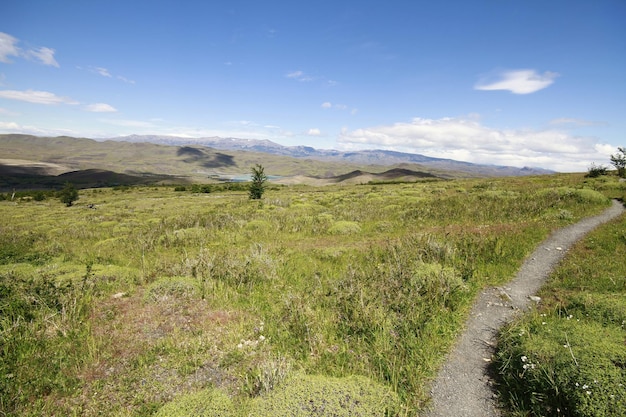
(101, 108)
(33, 96)
(126, 80)
(329, 105)
(523, 81)
(299, 76)
(12, 127)
(102, 71)
(8, 47)
(44, 55)
(468, 140)
(314, 132)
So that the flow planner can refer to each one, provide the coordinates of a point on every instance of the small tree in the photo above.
(619, 161)
(257, 187)
(68, 194)
(595, 171)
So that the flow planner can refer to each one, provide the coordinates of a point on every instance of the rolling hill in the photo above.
(32, 161)
(375, 157)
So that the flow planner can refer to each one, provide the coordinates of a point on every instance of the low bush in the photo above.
(206, 403)
(310, 395)
(344, 227)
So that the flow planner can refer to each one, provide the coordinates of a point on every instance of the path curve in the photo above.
(463, 387)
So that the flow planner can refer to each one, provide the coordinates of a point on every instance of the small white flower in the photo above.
(585, 386)
(261, 338)
(588, 392)
(524, 358)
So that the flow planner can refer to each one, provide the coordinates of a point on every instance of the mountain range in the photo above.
(364, 157)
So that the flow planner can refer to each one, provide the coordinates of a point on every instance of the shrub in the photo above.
(595, 171)
(344, 227)
(205, 403)
(68, 194)
(172, 287)
(308, 395)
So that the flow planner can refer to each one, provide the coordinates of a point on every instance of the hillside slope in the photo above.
(190, 162)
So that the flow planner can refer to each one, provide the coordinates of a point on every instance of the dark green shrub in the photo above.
(595, 171)
(68, 194)
(257, 187)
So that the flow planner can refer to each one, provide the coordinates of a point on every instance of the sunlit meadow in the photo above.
(145, 300)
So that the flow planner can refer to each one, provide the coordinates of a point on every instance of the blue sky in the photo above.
(522, 83)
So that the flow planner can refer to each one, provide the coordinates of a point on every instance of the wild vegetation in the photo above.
(146, 300)
(567, 357)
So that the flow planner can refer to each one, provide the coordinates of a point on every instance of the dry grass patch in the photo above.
(149, 352)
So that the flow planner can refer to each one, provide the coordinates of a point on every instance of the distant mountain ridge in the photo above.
(365, 157)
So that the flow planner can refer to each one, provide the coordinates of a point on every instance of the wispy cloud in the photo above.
(104, 72)
(524, 81)
(337, 106)
(43, 55)
(466, 139)
(9, 48)
(34, 96)
(299, 76)
(100, 108)
(304, 77)
(13, 127)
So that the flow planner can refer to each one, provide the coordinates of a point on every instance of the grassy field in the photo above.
(137, 301)
(568, 357)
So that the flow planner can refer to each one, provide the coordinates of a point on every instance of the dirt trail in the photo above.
(463, 387)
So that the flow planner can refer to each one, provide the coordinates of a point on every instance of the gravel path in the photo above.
(463, 387)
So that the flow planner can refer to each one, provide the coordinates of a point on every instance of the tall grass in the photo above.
(176, 292)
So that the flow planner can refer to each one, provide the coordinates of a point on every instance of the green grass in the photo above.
(154, 294)
(567, 358)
